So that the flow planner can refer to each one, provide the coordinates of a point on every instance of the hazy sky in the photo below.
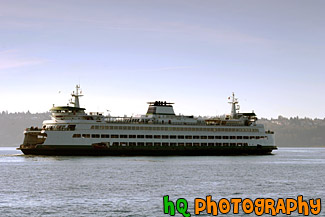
(195, 53)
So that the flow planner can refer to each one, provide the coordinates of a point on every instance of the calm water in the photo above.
(135, 186)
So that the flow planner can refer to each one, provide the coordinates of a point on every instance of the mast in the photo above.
(76, 96)
(233, 103)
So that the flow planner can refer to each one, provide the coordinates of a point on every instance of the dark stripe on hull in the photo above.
(149, 151)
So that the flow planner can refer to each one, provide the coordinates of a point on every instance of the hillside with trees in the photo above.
(297, 132)
(12, 126)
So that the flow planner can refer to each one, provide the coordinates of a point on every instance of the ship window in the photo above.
(252, 137)
(106, 127)
(210, 144)
(116, 143)
(180, 137)
(218, 144)
(86, 135)
(225, 144)
(71, 127)
(239, 137)
(257, 137)
(180, 144)
(165, 144)
(188, 137)
(232, 144)
(204, 144)
(114, 136)
(124, 144)
(196, 137)
(188, 144)
(232, 137)
(203, 137)
(132, 136)
(102, 127)
(132, 144)
(218, 137)
(245, 144)
(164, 136)
(95, 136)
(105, 136)
(156, 136)
(239, 144)
(172, 137)
(92, 127)
(157, 144)
(140, 136)
(96, 127)
(210, 137)
(172, 144)
(76, 135)
(140, 144)
(148, 143)
(148, 136)
(225, 137)
(124, 136)
(246, 137)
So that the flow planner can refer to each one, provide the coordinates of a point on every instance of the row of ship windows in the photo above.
(174, 144)
(116, 136)
(97, 127)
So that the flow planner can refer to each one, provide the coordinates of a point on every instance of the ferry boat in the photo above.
(72, 131)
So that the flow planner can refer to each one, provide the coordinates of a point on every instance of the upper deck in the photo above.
(159, 112)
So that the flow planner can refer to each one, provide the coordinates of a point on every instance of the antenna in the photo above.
(76, 96)
(234, 108)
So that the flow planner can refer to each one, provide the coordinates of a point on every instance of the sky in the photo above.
(125, 53)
